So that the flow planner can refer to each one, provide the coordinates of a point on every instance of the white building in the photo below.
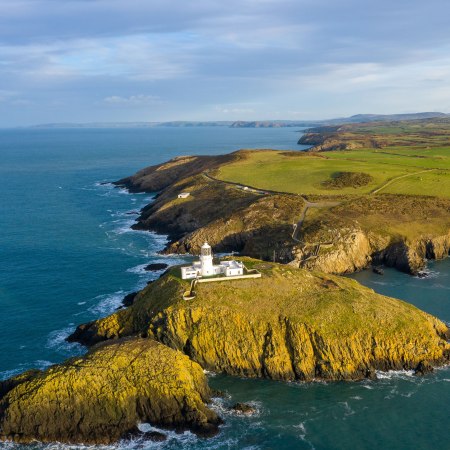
(206, 268)
(184, 195)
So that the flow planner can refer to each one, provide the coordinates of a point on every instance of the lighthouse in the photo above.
(206, 260)
(206, 268)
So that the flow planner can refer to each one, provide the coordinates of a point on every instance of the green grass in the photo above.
(274, 170)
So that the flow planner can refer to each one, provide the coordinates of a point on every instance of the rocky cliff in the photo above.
(103, 396)
(291, 324)
(398, 231)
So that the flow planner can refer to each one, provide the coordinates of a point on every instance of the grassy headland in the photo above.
(289, 324)
(381, 193)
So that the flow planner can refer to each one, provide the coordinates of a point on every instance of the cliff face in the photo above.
(329, 141)
(100, 397)
(401, 232)
(290, 324)
(258, 229)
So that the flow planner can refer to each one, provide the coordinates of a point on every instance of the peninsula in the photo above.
(298, 220)
(375, 193)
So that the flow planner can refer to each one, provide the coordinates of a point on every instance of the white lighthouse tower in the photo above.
(206, 260)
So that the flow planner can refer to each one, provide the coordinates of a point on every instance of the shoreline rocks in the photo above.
(155, 267)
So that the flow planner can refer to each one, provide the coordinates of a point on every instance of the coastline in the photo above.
(239, 391)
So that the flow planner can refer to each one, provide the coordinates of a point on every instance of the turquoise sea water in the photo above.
(67, 255)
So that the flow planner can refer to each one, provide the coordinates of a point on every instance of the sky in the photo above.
(148, 60)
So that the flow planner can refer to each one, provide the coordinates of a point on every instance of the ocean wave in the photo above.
(396, 374)
(107, 303)
(427, 274)
(303, 433)
(39, 364)
(104, 183)
(56, 341)
(348, 411)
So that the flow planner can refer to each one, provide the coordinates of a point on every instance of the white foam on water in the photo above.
(107, 303)
(139, 270)
(104, 184)
(40, 364)
(428, 274)
(56, 340)
(10, 373)
(440, 286)
(348, 411)
(402, 374)
(380, 283)
(302, 434)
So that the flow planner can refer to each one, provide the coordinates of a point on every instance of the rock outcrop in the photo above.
(290, 324)
(101, 397)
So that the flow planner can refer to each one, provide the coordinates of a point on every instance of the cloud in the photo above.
(134, 100)
(320, 57)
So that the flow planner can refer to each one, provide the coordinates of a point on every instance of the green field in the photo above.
(305, 173)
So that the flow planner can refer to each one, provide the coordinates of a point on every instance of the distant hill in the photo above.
(135, 124)
(358, 118)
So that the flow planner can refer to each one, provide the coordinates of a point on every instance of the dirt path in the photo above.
(308, 205)
(254, 190)
(398, 178)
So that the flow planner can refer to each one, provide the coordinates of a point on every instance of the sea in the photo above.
(68, 255)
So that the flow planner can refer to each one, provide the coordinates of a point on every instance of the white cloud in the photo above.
(133, 100)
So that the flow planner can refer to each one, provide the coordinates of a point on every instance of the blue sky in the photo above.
(147, 60)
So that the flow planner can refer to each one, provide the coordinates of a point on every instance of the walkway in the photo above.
(299, 224)
(308, 205)
(393, 180)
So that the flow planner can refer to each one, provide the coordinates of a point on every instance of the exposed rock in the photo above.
(243, 408)
(154, 267)
(378, 270)
(129, 299)
(423, 368)
(288, 325)
(85, 334)
(351, 239)
(154, 436)
(98, 398)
